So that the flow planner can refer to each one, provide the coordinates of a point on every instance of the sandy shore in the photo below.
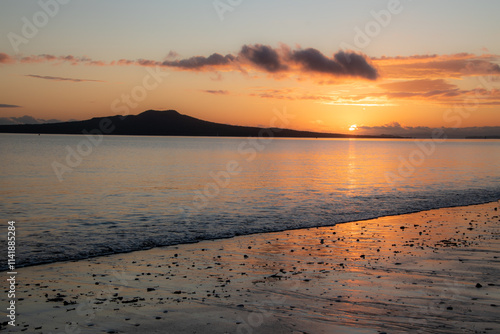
(430, 272)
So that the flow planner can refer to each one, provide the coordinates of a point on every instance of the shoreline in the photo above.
(416, 271)
(48, 262)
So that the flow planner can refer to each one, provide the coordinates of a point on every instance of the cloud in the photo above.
(309, 63)
(435, 91)
(421, 88)
(61, 78)
(452, 97)
(171, 55)
(356, 65)
(264, 57)
(330, 98)
(25, 120)
(216, 76)
(313, 60)
(58, 60)
(342, 63)
(281, 94)
(256, 57)
(2, 105)
(437, 66)
(5, 58)
(397, 129)
(420, 85)
(216, 92)
(198, 62)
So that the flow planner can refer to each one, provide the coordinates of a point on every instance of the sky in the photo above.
(363, 67)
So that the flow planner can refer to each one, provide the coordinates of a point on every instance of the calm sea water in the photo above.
(131, 193)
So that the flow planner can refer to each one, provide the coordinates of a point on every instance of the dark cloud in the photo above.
(60, 78)
(7, 121)
(309, 60)
(342, 64)
(313, 60)
(481, 65)
(146, 62)
(2, 105)
(216, 92)
(397, 129)
(199, 62)
(356, 65)
(286, 61)
(25, 120)
(171, 55)
(263, 56)
(19, 120)
(260, 57)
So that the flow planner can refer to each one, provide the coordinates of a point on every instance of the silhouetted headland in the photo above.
(165, 123)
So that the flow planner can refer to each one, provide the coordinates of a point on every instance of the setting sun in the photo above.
(353, 127)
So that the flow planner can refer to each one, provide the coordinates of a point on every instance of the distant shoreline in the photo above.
(172, 123)
(277, 137)
(228, 136)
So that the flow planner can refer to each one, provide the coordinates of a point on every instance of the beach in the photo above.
(434, 271)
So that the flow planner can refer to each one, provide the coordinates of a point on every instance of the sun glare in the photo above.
(353, 127)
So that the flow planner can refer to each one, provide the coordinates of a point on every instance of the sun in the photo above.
(353, 127)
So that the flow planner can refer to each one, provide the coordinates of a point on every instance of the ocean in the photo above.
(75, 197)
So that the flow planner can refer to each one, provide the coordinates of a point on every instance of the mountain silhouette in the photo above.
(163, 123)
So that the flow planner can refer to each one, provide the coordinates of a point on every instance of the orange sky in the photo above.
(242, 78)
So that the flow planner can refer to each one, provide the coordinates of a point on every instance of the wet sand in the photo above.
(436, 271)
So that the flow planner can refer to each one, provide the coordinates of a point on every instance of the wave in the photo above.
(135, 233)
